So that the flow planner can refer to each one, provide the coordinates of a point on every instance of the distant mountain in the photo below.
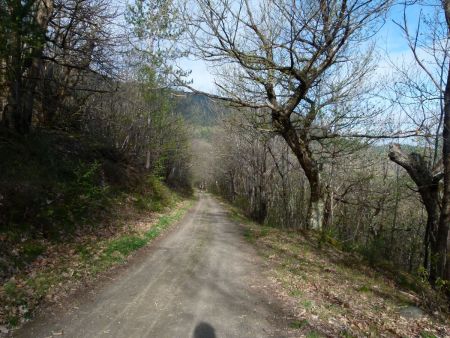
(199, 109)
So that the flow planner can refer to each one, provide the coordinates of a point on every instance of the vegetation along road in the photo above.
(197, 282)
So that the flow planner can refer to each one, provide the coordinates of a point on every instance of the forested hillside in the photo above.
(316, 126)
(89, 142)
(199, 109)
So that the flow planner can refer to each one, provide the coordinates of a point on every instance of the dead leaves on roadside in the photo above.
(338, 300)
(65, 267)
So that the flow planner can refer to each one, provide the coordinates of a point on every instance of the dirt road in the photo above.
(200, 281)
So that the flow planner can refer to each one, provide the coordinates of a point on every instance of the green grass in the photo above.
(346, 334)
(155, 197)
(313, 334)
(84, 252)
(249, 235)
(13, 321)
(125, 245)
(298, 324)
(10, 289)
(119, 248)
(91, 258)
(43, 282)
(296, 293)
(264, 231)
(364, 288)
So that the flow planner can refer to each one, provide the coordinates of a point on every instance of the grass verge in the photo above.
(60, 268)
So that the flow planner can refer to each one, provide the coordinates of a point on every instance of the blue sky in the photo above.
(390, 37)
(390, 45)
(202, 77)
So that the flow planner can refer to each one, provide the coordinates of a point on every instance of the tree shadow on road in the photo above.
(204, 330)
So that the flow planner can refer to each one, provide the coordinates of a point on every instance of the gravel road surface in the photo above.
(203, 280)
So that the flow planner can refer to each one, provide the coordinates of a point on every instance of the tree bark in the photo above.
(315, 213)
(444, 222)
(147, 159)
(428, 186)
(314, 217)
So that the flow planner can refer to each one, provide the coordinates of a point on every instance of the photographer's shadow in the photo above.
(204, 330)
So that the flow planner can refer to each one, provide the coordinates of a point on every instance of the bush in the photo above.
(31, 250)
(76, 201)
(49, 182)
(154, 195)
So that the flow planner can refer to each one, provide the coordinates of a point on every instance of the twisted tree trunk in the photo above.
(427, 182)
(300, 148)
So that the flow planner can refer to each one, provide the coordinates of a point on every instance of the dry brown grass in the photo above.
(334, 293)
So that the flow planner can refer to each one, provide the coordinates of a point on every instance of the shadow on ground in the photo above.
(204, 330)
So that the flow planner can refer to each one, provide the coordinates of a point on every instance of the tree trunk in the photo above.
(428, 186)
(426, 248)
(147, 159)
(300, 148)
(232, 187)
(328, 210)
(432, 208)
(23, 117)
(18, 112)
(26, 71)
(315, 213)
(444, 222)
(447, 266)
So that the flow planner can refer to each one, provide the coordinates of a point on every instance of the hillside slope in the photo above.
(199, 109)
(331, 293)
(70, 209)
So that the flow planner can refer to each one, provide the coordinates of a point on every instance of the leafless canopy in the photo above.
(275, 54)
(301, 61)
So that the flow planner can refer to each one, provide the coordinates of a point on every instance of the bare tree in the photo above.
(294, 60)
(54, 54)
(81, 51)
(429, 96)
(24, 28)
